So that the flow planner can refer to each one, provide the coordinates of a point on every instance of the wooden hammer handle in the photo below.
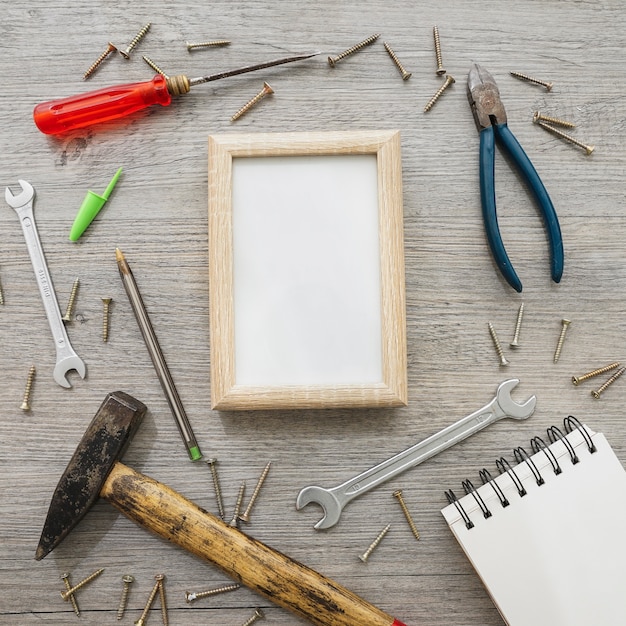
(250, 562)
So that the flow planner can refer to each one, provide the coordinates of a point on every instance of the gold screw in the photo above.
(127, 580)
(496, 343)
(234, 522)
(564, 325)
(449, 81)
(398, 495)
(245, 516)
(207, 44)
(1, 296)
(518, 325)
(440, 69)
(598, 392)
(535, 81)
(562, 135)
(144, 614)
(405, 75)
(25, 406)
(66, 579)
(332, 61)
(539, 117)
(70, 592)
(190, 597)
(154, 66)
(212, 463)
(576, 380)
(374, 543)
(246, 107)
(70, 304)
(258, 614)
(161, 581)
(99, 61)
(133, 44)
(106, 302)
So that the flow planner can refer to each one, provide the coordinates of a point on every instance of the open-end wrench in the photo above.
(333, 500)
(67, 359)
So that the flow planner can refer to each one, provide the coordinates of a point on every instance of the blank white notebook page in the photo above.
(556, 556)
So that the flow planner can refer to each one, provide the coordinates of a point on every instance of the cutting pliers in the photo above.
(490, 116)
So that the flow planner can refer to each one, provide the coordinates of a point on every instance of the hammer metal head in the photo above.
(102, 445)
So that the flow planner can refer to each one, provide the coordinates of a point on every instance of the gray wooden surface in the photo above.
(158, 217)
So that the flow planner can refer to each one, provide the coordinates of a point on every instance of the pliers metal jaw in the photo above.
(490, 116)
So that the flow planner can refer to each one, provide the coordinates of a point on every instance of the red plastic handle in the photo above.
(59, 116)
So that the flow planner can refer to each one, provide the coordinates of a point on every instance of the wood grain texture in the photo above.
(227, 393)
(158, 216)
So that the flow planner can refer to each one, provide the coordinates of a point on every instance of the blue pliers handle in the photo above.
(491, 120)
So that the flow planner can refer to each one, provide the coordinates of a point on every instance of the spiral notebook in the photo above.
(547, 536)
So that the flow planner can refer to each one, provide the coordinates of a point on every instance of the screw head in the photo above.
(127, 578)
(566, 322)
(267, 88)
(159, 577)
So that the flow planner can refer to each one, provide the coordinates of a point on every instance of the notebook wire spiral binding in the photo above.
(570, 423)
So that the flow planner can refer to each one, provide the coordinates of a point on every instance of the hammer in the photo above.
(94, 470)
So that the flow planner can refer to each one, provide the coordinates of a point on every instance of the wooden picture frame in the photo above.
(293, 168)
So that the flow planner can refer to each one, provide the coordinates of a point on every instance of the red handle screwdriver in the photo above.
(59, 116)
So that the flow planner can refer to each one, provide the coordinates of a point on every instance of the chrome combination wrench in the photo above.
(67, 359)
(334, 500)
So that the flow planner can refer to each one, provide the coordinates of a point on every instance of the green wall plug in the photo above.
(90, 208)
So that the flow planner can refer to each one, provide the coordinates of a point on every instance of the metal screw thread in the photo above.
(154, 66)
(68, 586)
(191, 596)
(405, 75)
(1, 296)
(164, 614)
(70, 304)
(440, 69)
(497, 345)
(332, 61)
(562, 135)
(25, 406)
(248, 105)
(235, 520)
(106, 302)
(151, 597)
(576, 380)
(99, 61)
(245, 516)
(535, 81)
(518, 325)
(133, 44)
(449, 81)
(374, 543)
(212, 463)
(398, 495)
(598, 392)
(208, 44)
(121, 607)
(564, 324)
(258, 614)
(70, 592)
(540, 117)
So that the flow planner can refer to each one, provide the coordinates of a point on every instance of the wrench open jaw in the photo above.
(66, 365)
(335, 499)
(23, 198)
(66, 358)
